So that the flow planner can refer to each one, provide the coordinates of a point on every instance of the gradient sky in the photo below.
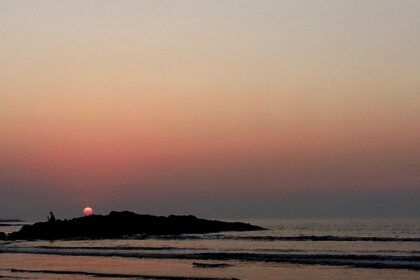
(214, 108)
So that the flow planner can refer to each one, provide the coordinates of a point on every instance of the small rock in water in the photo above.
(3, 236)
(211, 265)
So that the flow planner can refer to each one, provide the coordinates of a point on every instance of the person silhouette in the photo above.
(51, 218)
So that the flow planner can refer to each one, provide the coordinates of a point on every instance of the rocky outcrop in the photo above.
(119, 224)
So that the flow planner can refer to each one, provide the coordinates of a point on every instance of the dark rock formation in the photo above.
(3, 236)
(210, 265)
(118, 224)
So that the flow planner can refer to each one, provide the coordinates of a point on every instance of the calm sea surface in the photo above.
(289, 249)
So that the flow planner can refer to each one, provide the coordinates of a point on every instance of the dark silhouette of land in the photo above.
(118, 224)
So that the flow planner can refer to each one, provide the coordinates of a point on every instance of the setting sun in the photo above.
(88, 211)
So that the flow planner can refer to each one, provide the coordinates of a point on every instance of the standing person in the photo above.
(51, 218)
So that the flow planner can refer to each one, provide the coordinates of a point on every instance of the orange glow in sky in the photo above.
(102, 103)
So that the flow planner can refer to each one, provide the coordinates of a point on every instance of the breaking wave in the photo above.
(354, 260)
(278, 238)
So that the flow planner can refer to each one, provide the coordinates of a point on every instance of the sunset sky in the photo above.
(214, 108)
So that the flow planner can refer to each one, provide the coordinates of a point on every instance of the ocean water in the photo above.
(288, 249)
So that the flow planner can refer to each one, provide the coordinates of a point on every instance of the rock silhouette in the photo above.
(210, 265)
(119, 224)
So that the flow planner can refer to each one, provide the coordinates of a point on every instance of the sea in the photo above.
(289, 249)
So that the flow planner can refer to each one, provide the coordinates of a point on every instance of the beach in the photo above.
(288, 249)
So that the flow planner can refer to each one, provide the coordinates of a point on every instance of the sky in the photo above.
(245, 109)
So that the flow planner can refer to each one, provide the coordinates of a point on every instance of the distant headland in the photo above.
(119, 224)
